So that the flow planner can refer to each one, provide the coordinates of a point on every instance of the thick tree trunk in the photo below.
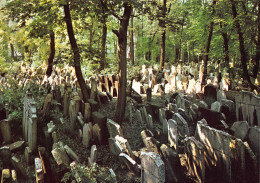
(206, 56)
(132, 54)
(243, 53)
(52, 54)
(257, 58)
(103, 44)
(75, 49)
(122, 42)
(163, 25)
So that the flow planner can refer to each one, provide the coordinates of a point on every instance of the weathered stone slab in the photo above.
(39, 173)
(129, 162)
(87, 134)
(16, 146)
(149, 122)
(93, 156)
(18, 167)
(101, 120)
(5, 155)
(183, 129)
(5, 131)
(153, 168)
(253, 140)
(125, 145)
(115, 146)
(173, 136)
(195, 158)
(240, 129)
(173, 169)
(114, 129)
(47, 105)
(139, 116)
(60, 156)
(215, 106)
(71, 153)
(217, 152)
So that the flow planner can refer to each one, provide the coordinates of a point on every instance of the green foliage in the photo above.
(82, 173)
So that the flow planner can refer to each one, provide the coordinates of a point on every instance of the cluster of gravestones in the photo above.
(225, 141)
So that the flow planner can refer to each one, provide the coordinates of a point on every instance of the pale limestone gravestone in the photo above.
(183, 129)
(39, 170)
(217, 152)
(149, 121)
(129, 162)
(191, 87)
(216, 106)
(240, 129)
(139, 116)
(87, 134)
(114, 129)
(28, 155)
(87, 112)
(93, 156)
(6, 131)
(47, 105)
(194, 151)
(173, 133)
(253, 140)
(60, 156)
(71, 153)
(153, 169)
(125, 145)
(115, 146)
(30, 121)
(66, 101)
(93, 92)
(248, 108)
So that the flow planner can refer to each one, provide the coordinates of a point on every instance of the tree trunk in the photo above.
(12, 52)
(103, 44)
(75, 49)
(52, 54)
(132, 55)
(206, 56)
(243, 53)
(256, 67)
(163, 25)
(225, 45)
(122, 42)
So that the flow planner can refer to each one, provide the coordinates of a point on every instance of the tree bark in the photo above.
(103, 44)
(163, 35)
(257, 58)
(206, 56)
(132, 54)
(225, 45)
(52, 54)
(122, 42)
(12, 52)
(75, 49)
(243, 52)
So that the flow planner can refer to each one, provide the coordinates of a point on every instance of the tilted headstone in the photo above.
(71, 153)
(153, 169)
(217, 152)
(93, 155)
(183, 128)
(114, 129)
(115, 146)
(87, 134)
(129, 162)
(173, 133)
(240, 129)
(39, 173)
(125, 145)
(6, 131)
(195, 158)
(30, 121)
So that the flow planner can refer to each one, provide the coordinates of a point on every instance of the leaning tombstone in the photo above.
(153, 168)
(5, 131)
(39, 173)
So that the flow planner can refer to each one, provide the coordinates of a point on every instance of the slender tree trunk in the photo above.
(103, 44)
(163, 35)
(243, 52)
(225, 45)
(206, 56)
(122, 42)
(12, 52)
(91, 36)
(75, 49)
(255, 71)
(132, 54)
(52, 54)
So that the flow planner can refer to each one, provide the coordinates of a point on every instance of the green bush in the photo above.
(83, 173)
